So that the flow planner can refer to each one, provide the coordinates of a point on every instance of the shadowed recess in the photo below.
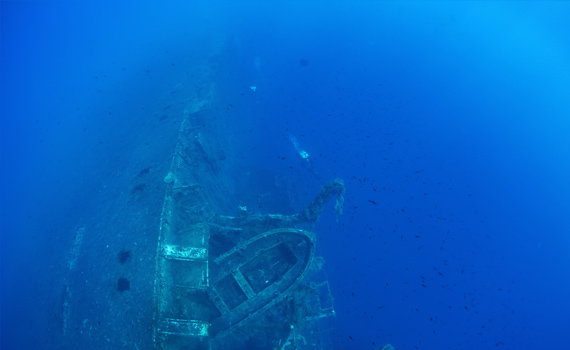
(123, 284)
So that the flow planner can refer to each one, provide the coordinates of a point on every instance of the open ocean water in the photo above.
(448, 121)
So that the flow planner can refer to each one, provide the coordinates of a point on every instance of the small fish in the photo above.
(371, 201)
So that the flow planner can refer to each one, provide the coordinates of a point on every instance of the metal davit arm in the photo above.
(310, 214)
(313, 210)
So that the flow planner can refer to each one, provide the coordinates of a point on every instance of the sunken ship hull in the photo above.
(244, 282)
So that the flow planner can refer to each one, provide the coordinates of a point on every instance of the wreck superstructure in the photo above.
(249, 281)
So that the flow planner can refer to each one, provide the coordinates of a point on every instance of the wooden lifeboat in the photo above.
(255, 275)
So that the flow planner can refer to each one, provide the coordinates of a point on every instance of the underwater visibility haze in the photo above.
(285, 175)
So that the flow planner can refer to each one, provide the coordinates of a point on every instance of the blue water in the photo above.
(448, 122)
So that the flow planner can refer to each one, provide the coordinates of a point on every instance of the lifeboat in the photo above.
(255, 275)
